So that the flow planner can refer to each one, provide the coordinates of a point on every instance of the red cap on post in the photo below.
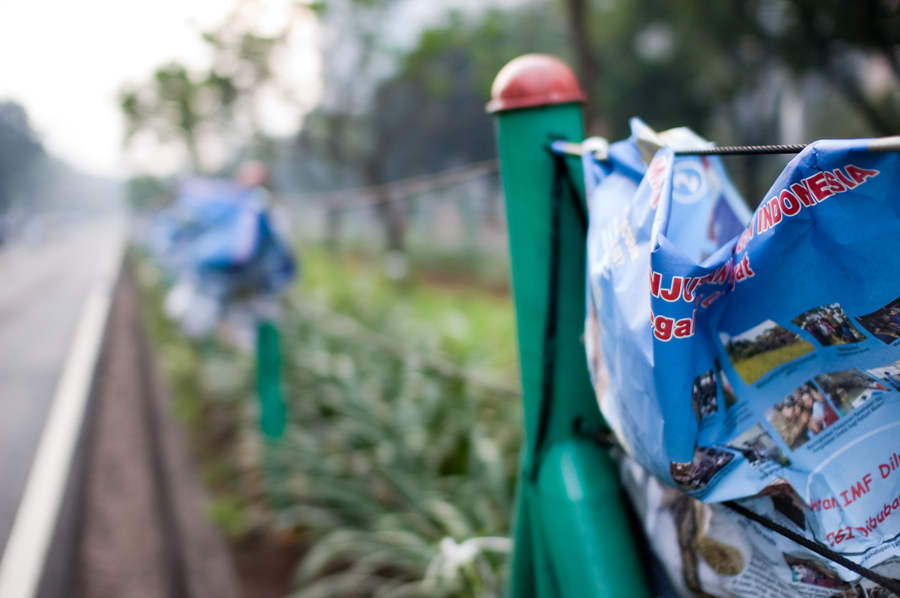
(534, 80)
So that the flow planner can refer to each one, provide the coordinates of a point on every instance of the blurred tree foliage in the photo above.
(21, 154)
(747, 72)
(178, 105)
(148, 192)
(386, 113)
(428, 113)
(727, 70)
(340, 134)
(431, 114)
(677, 62)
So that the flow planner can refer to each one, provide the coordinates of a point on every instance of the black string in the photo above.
(580, 211)
(886, 582)
(601, 436)
(548, 367)
(745, 150)
(561, 175)
(606, 439)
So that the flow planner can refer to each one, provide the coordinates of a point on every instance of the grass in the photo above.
(403, 427)
(470, 324)
(759, 365)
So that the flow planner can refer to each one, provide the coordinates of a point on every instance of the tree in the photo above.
(579, 17)
(428, 115)
(169, 107)
(21, 153)
(356, 58)
(431, 115)
(677, 61)
(218, 107)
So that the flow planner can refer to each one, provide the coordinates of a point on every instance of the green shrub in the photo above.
(402, 435)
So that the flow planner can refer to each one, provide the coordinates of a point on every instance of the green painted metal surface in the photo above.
(268, 381)
(572, 529)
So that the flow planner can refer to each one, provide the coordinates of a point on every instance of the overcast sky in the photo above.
(65, 61)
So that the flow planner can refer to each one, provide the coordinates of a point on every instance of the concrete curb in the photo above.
(144, 526)
(207, 567)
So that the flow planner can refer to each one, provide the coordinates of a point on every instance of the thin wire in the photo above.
(606, 439)
(745, 150)
(886, 582)
(402, 190)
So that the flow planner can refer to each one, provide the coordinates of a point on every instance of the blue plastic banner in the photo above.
(223, 234)
(740, 355)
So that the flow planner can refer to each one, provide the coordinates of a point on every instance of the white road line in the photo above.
(26, 550)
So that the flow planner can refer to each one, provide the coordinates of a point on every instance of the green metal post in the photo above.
(572, 531)
(268, 381)
(272, 410)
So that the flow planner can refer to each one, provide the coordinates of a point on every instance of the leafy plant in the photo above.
(397, 464)
(384, 457)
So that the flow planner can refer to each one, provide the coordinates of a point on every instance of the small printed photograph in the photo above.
(801, 415)
(829, 325)
(758, 447)
(889, 374)
(786, 501)
(703, 395)
(884, 324)
(874, 592)
(805, 569)
(791, 507)
(852, 592)
(696, 474)
(762, 348)
(727, 390)
(849, 389)
(890, 569)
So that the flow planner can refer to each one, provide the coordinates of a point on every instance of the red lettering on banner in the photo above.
(833, 183)
(662, 328)
(744, 238)
(802, 192)
(775, 211)
(765, 219)
(655, 278)
(709, 300)
(819, 186)
(720, 275)
(742, 270)
(789, 203)
(860, 174)
(812, 190)
(654, 176)
(689, 286)
(674, 290)
(843, 178)
(685, 327)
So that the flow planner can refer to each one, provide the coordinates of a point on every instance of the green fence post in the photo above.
(272, 410)
(572, 532)
(268, 381)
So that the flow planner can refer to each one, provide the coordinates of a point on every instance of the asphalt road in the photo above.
(42, 292)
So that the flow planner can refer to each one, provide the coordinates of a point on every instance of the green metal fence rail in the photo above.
(572, 532)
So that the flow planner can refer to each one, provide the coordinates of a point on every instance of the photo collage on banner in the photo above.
(807, 411)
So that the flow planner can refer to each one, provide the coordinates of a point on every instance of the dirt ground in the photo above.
(144, 531)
